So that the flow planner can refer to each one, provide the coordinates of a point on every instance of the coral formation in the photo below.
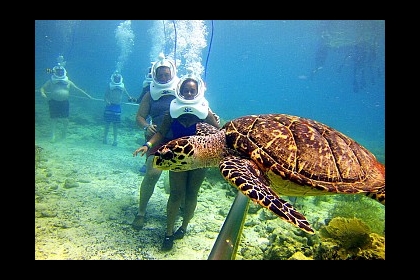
(344, 239)
(350, 233)
(362, 207)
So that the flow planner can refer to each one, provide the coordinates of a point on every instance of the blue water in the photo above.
(330, 71)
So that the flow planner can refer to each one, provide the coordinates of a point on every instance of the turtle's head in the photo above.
(188, 153)
(175, 155)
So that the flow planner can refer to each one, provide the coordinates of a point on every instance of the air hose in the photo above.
(208, 53)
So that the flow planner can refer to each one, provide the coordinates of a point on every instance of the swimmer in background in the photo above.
(113, 99)
(57, 91)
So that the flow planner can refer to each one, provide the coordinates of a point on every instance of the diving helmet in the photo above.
(59, 74)
(116, 78)
(116, 81)
(158, 89)
(198, 105)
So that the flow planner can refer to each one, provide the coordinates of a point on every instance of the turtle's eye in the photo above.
(169, 155)
(165, 154)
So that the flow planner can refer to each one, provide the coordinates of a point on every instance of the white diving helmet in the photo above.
(158, 89)
(198, 106)
(116, 81)
(59, 74)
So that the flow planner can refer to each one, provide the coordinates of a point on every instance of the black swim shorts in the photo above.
(59, 109)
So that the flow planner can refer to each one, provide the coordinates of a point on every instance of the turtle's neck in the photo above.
(209, 150)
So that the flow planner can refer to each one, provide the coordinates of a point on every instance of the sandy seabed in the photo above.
(90, 218)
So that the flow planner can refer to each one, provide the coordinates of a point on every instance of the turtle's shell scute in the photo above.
(305, 152)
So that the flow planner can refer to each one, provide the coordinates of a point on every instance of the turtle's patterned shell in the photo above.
(307, 153)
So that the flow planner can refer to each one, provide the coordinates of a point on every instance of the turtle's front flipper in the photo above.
(246, 177)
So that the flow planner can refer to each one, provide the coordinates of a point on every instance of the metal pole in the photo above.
(227, 241)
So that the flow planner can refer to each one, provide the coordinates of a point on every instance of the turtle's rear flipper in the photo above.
(246, 177)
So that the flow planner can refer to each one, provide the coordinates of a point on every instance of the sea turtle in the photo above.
(265, 156)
